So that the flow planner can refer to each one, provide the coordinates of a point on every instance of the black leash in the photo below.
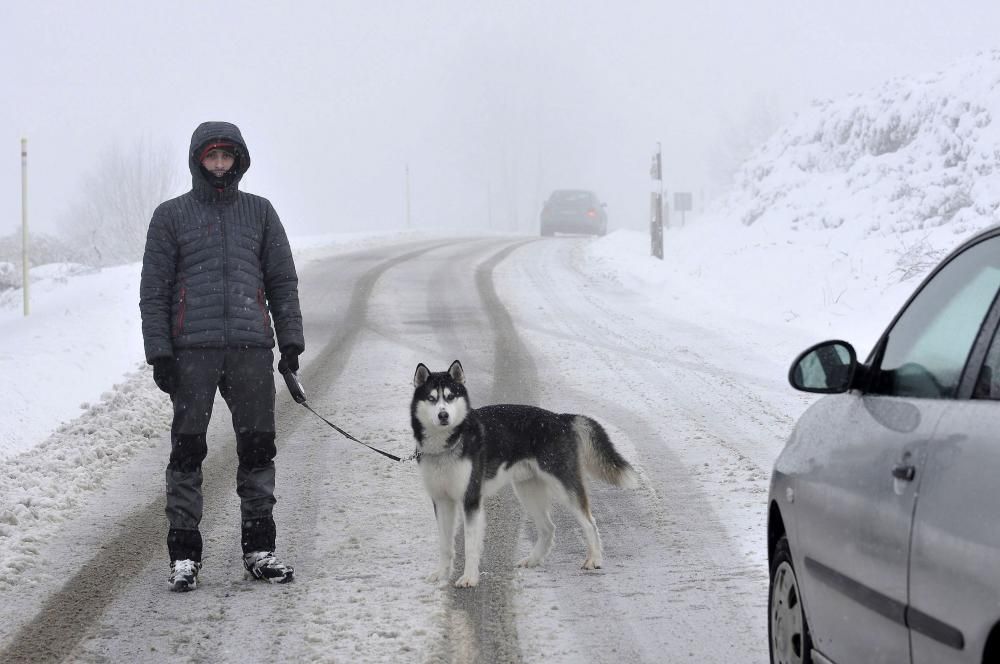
(299, 394)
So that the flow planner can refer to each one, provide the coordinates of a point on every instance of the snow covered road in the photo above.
(698, 407)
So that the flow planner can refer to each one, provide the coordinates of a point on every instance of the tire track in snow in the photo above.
(487, 608)
(704, 574)
(479, 622)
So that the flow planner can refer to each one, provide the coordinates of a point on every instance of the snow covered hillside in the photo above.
(915, 154)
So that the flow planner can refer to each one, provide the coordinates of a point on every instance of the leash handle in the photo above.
(294, 386)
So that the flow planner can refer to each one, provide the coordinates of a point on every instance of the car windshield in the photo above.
(572, 198)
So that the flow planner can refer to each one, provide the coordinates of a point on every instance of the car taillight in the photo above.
(591, 212)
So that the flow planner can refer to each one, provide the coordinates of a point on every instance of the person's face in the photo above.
(217, 162)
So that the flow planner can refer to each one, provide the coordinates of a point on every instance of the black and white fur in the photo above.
(467, 454)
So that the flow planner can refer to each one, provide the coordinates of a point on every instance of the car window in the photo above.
(927, 347)
(572, 198)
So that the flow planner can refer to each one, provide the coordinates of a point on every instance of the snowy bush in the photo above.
(10, 276)
(109, 219)
(42, 250)
(914, 259)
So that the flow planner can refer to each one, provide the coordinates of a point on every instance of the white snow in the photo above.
(828, 229)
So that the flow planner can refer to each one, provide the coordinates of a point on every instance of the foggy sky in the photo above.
(489, 106)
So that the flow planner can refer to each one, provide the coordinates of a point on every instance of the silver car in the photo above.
(884, 511)
(574, 211)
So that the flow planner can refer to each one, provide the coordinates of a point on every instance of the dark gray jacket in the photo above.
(217, 264)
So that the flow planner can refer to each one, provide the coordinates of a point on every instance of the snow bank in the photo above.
(81, 336)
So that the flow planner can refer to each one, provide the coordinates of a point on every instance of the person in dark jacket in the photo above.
(217, 267)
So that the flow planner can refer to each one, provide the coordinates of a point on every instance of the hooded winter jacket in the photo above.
(217, 264)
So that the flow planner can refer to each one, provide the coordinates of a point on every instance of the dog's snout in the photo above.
(443, 416)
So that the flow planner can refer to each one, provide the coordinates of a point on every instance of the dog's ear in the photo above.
(421, 375)
(456, 372)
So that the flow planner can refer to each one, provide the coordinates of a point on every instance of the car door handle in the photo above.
(904, 472)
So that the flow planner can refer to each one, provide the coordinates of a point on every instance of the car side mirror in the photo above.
(826, 368)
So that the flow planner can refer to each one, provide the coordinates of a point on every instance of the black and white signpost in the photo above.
(656, 205)
(25, 264)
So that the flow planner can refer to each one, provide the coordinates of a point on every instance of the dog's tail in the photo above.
(598, 455)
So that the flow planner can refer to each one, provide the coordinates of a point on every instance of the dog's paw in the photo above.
(530, 561)
(438, 576)
(592, 563)
(467, 581)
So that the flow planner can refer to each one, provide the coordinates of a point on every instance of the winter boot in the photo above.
(265, 566)
(183, 575)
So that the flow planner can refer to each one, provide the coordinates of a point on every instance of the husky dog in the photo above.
(467, 454)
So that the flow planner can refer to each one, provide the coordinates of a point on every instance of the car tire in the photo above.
(788, 634)
(547, 233)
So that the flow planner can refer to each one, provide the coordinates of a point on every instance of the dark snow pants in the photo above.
(245, 378)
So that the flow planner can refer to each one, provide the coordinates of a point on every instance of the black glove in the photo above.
(289, 360)
(165, 374)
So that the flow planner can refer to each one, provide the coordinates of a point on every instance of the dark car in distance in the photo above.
(574, 211)
(883, 525)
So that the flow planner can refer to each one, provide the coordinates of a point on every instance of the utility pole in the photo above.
(656, 206)
(407, 167)
(24, 223)
(489, 204)
(539, 173)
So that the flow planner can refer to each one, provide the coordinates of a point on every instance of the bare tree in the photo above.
(118, 199)
(738, 136)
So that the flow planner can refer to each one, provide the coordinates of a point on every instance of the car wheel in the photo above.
(546, 232)
(787, 629)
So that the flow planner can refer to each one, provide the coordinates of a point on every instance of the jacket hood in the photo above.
(217, 132)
